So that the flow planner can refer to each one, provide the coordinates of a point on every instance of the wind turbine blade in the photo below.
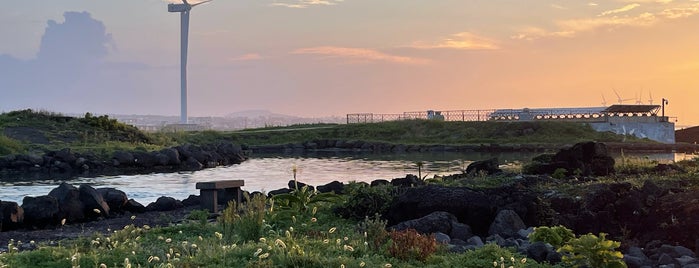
(201, 3)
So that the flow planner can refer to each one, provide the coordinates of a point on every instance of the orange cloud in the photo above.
(463, 40)
(307, 3)
(621, 9)
(358, 55)
(247, 57)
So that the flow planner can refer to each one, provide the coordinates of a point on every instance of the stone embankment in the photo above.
(333, 145)
(66, 163)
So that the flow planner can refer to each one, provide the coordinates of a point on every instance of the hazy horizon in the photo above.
(313, 58)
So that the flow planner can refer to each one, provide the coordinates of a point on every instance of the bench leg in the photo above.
(233, 194)
(209, 200)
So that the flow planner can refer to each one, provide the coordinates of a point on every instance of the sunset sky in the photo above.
(333, 57)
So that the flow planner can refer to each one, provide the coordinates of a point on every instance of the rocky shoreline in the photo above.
(67, 164)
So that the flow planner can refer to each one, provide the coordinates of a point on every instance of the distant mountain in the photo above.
(258, 113)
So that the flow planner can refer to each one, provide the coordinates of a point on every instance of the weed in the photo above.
(374, 231)
(592, 251)
(557, 236)
(411, 245)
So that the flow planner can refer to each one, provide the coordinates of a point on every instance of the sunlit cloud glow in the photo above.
(623, 9)
(463, 40)
(247, 57)
(306, 3)
(358, 55)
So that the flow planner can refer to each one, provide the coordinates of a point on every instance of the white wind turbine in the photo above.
(184, 10)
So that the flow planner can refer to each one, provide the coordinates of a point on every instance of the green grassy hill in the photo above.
(27, 130)
(31, 131)
(416, 132)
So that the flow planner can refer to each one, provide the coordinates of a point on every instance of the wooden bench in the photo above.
(209, 191)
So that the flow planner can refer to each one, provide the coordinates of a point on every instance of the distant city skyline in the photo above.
(315, 58)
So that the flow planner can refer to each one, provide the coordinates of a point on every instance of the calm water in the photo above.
(266, 173)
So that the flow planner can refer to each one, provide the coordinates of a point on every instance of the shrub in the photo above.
(244, 221)
(592, 251)
(364, 201)
(202, 216)
(374, 231)
(557, 236)
(9, 145)
(559, 173)
(411, 245)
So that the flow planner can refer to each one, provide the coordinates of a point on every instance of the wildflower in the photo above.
(194, 245)
(342, 265)
(218, 235)
(102, 265)
(291, 229)
(293, 219)
(315, 209)
(512, 259)
(168, 240)
(96, 211)
(325, 241)
(280, 243)
(495, 264)
(338, 241)
(257, 252)
(349, 248)
(184, 243)
(264, 255)
(146, 226)
(160, 237)
(32, 242)
(362, 264)
(263, 240)
(388, 265)
(346, 238)
(332, 230)
(94, 242)
(287, 234)
(133, 217)
(180, 231)
(314, 219)
(524, 260)
(63, 221)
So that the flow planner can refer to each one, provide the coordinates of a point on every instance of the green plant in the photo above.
(201, 215)
(9, 145)
(557, 236)
(592, 251)
(364, 201)
(244, 221)
(411, 245)
(374, 231)
(559, 173)
(302, 199)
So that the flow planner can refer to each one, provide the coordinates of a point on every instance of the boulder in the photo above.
(442, 238)
(172, 155)
(145, 159)
(164, 203)
(379, 182)
(438, 221)
(12, 215)
(41, 211)
(293, 184)
(470, 207)
(116, 199)
(506, 224)
(279, 191)
(192, 164)
(409, 181)
(191, 200)
(95, 206)
(123, 158)
(538, 251)
(65, 155)
(335, 187)
(134, 206)
(71, 207)
(489, 166)
(460, 231)
(586, 158)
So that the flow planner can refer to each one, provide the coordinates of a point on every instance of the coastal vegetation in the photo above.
(29, 131)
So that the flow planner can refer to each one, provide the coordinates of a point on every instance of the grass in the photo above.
(36, 131)
(415, 132)
(313, 240)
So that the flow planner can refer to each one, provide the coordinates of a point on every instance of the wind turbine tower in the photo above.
(184, 10)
